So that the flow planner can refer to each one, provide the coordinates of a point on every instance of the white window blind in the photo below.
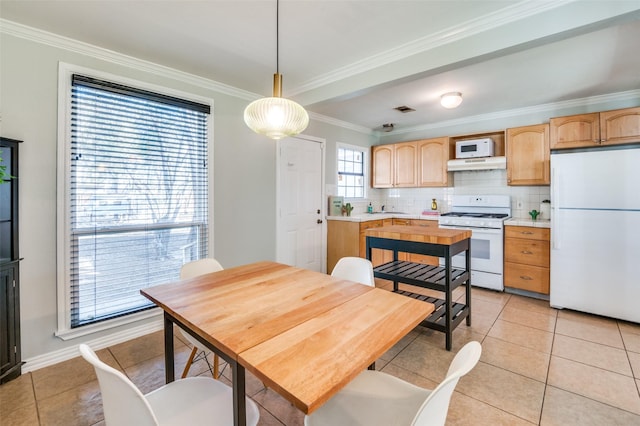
(138, 195)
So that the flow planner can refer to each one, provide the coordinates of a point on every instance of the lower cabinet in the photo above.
(526, 259)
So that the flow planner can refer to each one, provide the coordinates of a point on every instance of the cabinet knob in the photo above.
(526, 252)
(526, 278)
(527, 232)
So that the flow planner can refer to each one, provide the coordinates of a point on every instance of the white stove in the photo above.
(484, 215)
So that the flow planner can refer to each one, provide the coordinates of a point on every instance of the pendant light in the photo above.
(276, 117)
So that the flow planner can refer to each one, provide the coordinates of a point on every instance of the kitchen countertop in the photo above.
(365, 217)
(540, 223)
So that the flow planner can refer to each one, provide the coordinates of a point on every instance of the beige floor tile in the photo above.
(518, 334)
(25, 415)
(150, 374)
(516, 358)
(601, 385)
(631, 341)
(594, 354)
(266, 418)
(634, 359)
(491, 296)
(629, 327)
(79, 406)
(17, 393)
(425, 359)
(562, 408)
(485, 308)
(409, 376)
(513, 393)
(461, 336)
(532, 305)
(529, 318)
(589, 328)
(67, 374)
(465, 411)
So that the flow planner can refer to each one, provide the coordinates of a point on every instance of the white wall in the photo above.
(244, 170)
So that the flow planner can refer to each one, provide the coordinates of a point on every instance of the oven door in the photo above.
(487, 247)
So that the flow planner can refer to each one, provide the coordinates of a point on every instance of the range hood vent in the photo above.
(485, 163)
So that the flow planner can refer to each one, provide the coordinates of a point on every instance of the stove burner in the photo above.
(479, 215)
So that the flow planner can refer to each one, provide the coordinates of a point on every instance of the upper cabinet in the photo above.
(405, 165)
(527, 150)
(599, 128)
(412, 164)
(433, 155)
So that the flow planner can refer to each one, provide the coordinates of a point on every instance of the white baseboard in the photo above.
(51, 358)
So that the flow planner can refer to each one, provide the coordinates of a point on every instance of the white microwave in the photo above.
(473, 148)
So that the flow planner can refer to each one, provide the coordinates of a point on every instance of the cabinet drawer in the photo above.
(370, 224)
(425, 223)
(526, 232)
(525, 277)
(404, 222)
(529, 252)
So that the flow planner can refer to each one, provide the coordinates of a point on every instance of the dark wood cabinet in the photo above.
(10, 357)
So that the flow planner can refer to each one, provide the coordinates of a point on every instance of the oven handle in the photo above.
(477, 231)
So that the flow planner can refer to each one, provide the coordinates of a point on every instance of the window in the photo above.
(351, 171)
(136, 198)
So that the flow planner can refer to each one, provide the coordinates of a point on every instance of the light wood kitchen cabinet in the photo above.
(346, 238)
(414, 164)
(432, 156)
(528, 152)
(382, 170)
(614, 127)
(526, 259)
(394, 166)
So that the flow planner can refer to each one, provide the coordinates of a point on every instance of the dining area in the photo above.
(310, 337)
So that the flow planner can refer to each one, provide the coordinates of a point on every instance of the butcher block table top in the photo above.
(420, 234)
(304, 334)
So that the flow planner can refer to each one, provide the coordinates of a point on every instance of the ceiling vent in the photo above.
(404, 109)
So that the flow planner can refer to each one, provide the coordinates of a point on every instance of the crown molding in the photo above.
(552, 107)
(76, 46)
(449, 35)
(340, 123)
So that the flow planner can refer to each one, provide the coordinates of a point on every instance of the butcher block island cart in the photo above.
(438, 242)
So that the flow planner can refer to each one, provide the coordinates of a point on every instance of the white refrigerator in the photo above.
(595, 231)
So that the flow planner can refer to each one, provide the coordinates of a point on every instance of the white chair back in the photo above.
(354, 269)
(122, 401)
(433, 411)
(199, 267)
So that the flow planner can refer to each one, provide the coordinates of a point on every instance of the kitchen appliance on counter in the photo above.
(595, 217)
(484, 215)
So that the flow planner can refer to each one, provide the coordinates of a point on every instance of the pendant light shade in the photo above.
(276, 117)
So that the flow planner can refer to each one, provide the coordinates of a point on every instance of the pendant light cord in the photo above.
(277, 36)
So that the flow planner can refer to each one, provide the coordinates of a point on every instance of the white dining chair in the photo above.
(376, 398)
(191, 401)
(354, 269)
(192, 270)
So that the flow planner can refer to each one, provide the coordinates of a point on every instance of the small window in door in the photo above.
(351, 171)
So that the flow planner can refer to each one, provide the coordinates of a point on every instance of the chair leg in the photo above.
(216, 366)
(189, 361)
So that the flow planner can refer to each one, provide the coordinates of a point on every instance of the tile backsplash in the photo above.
(484, 182)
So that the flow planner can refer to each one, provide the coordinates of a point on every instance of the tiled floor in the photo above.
(538, 366)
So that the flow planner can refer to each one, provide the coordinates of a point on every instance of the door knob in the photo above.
(319, 221)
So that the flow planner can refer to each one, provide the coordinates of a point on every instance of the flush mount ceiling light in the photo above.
(451, 99)
(276, 117)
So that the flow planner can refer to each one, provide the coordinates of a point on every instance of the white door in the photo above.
(300, 215)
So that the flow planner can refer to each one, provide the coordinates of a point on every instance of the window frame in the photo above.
(63, 281)
(365, 168)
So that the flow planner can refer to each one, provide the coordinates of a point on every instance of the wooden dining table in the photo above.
(304, 334)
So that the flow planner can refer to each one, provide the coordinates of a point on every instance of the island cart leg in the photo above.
(468, 290)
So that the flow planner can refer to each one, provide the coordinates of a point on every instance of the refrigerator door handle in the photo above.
(555, 208)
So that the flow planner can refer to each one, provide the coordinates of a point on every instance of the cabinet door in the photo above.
(382, 166)
(405, 165)
(575, 131)
(7, 319)
(433, 155)
(620, 126)
(528, 155)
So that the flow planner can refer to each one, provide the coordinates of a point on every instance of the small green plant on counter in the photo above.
(347, 208)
